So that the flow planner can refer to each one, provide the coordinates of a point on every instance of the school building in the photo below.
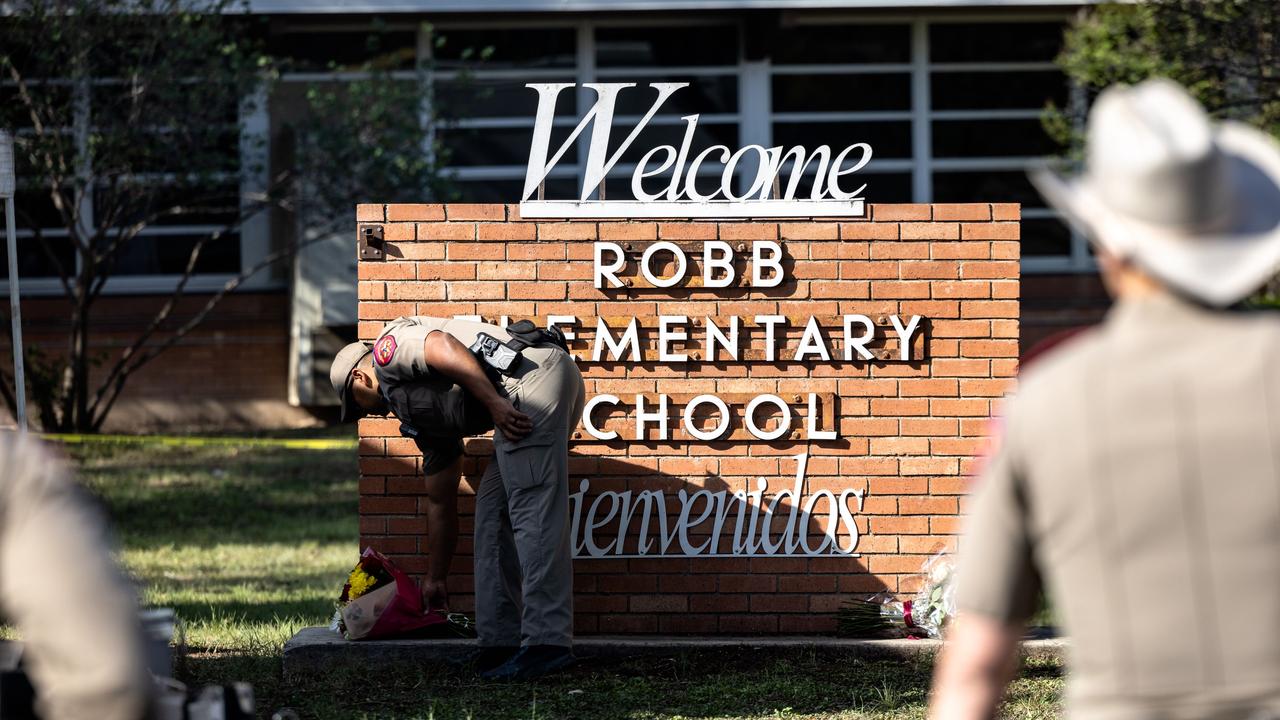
(949, 94)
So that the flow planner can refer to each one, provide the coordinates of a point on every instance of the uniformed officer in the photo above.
(442, 391)
(1135, 479)
(59, 585)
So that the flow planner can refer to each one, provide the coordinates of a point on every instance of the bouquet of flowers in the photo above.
(380, 601)
(926, 615)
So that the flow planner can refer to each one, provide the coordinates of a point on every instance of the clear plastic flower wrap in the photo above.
(926, 615)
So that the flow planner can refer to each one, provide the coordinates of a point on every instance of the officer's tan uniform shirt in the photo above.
(400, 359)
(60, 587)
(1139, 476)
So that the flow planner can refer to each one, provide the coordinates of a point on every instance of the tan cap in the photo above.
(340, 377)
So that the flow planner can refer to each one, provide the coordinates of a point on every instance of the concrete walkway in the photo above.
(318, 649)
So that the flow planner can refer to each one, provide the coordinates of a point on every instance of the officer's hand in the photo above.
(513, 423)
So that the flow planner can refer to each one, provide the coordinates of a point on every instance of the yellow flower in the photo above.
(360, 583)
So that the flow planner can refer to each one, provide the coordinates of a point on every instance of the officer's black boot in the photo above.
(490, 658)
(532, 662)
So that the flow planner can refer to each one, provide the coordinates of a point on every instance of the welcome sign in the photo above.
(782, 403)
(664, 180)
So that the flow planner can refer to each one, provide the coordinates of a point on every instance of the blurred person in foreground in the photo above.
(1138, 477)
(73, 609)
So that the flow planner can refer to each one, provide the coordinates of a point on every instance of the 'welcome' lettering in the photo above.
(682, 166)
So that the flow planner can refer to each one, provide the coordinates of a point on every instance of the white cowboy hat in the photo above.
(1194, 203)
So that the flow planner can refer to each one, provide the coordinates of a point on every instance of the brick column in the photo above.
(908, 431)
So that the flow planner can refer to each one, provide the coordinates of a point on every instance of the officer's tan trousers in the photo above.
(523, 552)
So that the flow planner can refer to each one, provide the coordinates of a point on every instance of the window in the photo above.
(988, 85)
(161, 176)
(838, 84)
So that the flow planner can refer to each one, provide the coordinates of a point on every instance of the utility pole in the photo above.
(8, 187)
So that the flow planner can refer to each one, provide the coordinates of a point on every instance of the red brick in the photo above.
(900, 289)
(965, 211)
(1006, 211)
(688, 231)
(779, 603)
(900, 251)
(1006, 250)
(960, 250)
(927, 466)
(749, 231)
(960, 407)
(480, 290)
(422, 250)
(868, 231)
(748, 624)
(386, 271)
(928, 270)
(415, 212)
(659, 603)
(929, 231)
(507, 232)
(370, 213)
(962, 289)
(415, 290)
(990, 231)
(809, 231)
(449, 231)
(638, 231)
(994, 270)
(476, 251)
(566, 231)
(989, 309)
(446, 271)
(896, 213)
(472, 211)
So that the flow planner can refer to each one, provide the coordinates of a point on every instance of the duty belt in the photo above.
(504, 358)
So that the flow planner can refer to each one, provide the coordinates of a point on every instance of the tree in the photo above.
(1226, 52)
(132, 108)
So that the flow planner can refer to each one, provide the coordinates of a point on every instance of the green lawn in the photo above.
(251, 543)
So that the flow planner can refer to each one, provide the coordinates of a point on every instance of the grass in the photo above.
(250, 544)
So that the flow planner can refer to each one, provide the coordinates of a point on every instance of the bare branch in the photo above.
(112, 392)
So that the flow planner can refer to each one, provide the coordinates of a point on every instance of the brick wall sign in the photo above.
(781, 413)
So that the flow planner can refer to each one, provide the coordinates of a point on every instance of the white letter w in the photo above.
(601, 114)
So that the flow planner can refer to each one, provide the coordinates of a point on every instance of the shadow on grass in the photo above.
(201, 496)
(692, 685)
(710, 684)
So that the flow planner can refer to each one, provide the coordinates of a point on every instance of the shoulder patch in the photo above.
(384, 350)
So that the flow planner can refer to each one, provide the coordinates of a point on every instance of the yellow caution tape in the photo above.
(187, 441)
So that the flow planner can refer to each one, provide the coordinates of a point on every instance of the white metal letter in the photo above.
(783, 427)
(905, 334)
(682, 264)
(759, 261)
(670, 328)
(717, 255)
(609, 271)
(631, 336)
(589, 425)
(718, 430)
(643, 418)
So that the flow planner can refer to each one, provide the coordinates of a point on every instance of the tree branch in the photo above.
(108, 393)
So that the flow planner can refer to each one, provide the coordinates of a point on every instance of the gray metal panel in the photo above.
(355, 7)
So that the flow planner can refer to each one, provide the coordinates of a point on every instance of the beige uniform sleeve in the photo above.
(399, 352)
(59, 585)
(997, 576)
